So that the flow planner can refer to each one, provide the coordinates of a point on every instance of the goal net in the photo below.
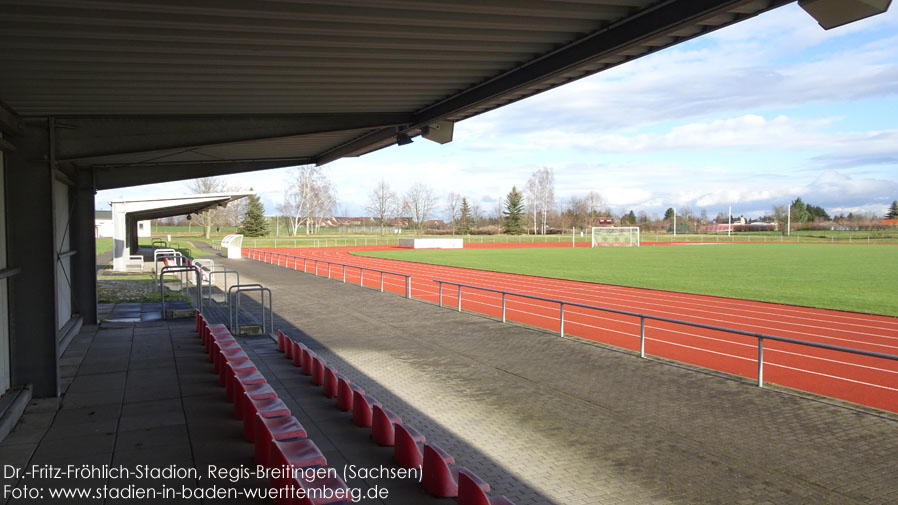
(615, 236)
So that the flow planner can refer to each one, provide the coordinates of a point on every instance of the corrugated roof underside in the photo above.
(230, 57)
(303, 146)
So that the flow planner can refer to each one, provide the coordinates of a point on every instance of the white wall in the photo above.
(105, 229)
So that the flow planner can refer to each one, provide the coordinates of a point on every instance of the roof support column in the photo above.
(84, 264)
(32, 294)
(120, 249)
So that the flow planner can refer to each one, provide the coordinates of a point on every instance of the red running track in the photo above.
(861, 379)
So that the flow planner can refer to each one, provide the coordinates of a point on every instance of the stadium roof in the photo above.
(157, 90)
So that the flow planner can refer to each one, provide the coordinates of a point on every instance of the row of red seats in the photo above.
(280, 440)
(441, 477)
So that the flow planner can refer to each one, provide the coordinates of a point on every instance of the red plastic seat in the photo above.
(281, 339)
(299, 351)
(318, 365)
(220, 348)
(266, 407)
(236, 379)
(307, 357)
(408, 447)
(331, 486)
(382, 422)
(470, 493)
(254, 391)
(223, 336)
(211, 329)
(301, 453)
(275, 428)
(345, 393)
(441, 480)
(229, 367)
(361, 408)
(288, 349)
(330, 381)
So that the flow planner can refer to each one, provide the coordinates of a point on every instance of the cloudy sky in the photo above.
(750, 116)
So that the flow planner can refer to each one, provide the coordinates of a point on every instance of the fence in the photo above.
(858, 237)
(760, 337)
(279, 258)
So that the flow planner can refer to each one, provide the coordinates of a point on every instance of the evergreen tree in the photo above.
(465, 221)
(254, 222)
(799, 211)
(514, 212)
(893, 211)
(669, 214)
(631, 218)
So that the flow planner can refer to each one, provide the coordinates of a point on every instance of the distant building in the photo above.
(103, 225)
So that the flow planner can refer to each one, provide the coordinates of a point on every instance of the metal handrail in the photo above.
(642, 317)
(175, 269)
(256, 254)
(234, 322)
(6, 273)
(221, 269)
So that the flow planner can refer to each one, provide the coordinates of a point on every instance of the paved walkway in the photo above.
(552, 420)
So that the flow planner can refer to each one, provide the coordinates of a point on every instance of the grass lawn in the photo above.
(103, 245)
(848, 277)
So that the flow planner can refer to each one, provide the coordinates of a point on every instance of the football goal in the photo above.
(615, 236)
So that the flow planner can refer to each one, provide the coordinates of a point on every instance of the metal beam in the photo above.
(370, 142)
(664, 18)
(89, 137)
(118, 176)
(10, 122)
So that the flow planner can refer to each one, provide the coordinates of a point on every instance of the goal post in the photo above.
(615, 236)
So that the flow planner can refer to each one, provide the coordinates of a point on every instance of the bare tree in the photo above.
(308, 199)
(322, 203)
(206, 218)
(382, 203)
(419, 202)
(541, 187)
(453, 202)
(532, 202)
(595, 207)
(236, 209)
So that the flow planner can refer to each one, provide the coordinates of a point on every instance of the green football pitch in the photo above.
(861, 278)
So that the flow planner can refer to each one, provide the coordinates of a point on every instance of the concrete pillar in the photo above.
(119, 237)
(31, 247)
(84, 264)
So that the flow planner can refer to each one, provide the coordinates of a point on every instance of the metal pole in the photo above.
(641, 337)
(561, 329)
(459, 297)
(760, 362)
(361, 276)
(440, 288)
(344, 274)
(503, 307)
(789, 221)
(381, 282)
(408, 286)
(328, 270)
